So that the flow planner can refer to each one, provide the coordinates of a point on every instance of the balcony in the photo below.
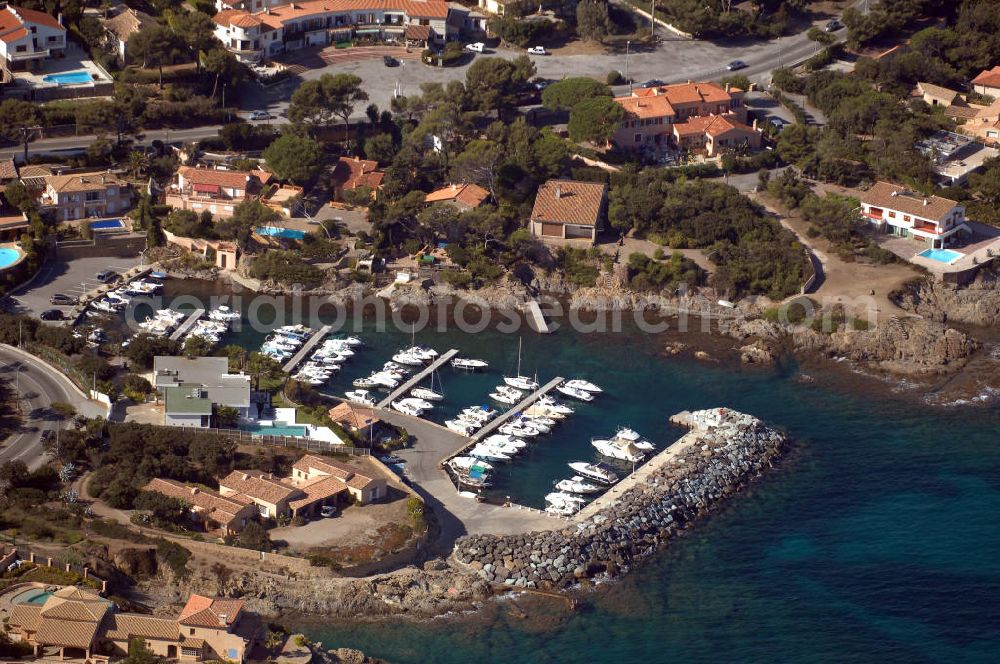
(29, 55)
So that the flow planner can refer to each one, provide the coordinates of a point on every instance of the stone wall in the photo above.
(725, 450)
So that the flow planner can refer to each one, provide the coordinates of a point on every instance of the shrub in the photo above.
(615, 78)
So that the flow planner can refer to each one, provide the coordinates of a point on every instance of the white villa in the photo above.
(28, 37)
(932, 220)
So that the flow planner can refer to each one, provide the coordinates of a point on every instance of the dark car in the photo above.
(105, 276)
(59, 298)
(736, 64)
(51, 314)
(390, 61)
(833, 25)
(652, 83)
(47, 435)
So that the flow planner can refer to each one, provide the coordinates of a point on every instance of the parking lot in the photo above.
(73, 278)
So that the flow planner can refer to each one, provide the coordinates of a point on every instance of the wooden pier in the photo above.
(307, 348)
(186, 326)
(416, 379)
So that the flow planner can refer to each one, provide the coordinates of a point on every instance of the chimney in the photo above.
(558, 192)
(223, 617)
(894, 194)
(690, 82)
(755, 124)
(925, 202)
(729, 87)
(59, 18)
(454, 187)
(245, 476)
(194, 490)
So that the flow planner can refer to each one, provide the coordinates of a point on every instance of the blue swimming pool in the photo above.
(287, 233)
(68, 77)
(34, 596)
(105, 224)
(277, 429)
(941, 255)
(9, 256)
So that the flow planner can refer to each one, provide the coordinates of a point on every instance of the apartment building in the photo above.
(84, 195)
(217, 191)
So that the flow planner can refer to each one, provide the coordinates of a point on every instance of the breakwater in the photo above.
(723, 451)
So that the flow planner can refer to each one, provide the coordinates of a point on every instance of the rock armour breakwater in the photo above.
(724, 451)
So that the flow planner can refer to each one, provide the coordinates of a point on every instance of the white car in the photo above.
(537, 50)
(260, 115)
(477, 47)
(327, 511)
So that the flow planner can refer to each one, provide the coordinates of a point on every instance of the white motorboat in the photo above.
(594, 471)
(461, 427)
(418, 403)
(617, 448)
(223, 313)
(468, 364)
(505, 440)
(407, 358)
(396, 368)
(465, 463)
(385, 380)
(423, 352)
(577, 484)
(513, 392)
(557, 497)
(503, 398)
(536, 410)
(584, 385)
(575, 393)
(521, 383)
(519, 429)
(350, 341)
(300, 332)
(554, 406)
(305, 378)
(365, 383)
(481, 413)
(633, 437)
(407, 408)
(484, 452)
(564, 509)
(538, 421)
(534, 423)
(424, 393)
(363, 397)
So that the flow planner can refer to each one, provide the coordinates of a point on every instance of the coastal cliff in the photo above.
(724, 451)
(977, 303)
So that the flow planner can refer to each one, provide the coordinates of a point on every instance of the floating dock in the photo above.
(418, 377)
(186, 326)
(520, 407)
(307, 348)
(535, 317)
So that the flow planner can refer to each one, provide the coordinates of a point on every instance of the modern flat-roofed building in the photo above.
(194, 388)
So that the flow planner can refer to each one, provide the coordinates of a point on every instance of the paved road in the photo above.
(38, 387)
(69, 145)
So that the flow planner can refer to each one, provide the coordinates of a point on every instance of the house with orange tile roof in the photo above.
(87, 195)
(714, 134)
(28, 38)
(312, 469)
(212, 511)
(356, 419)
(988, 82)
(463, 196)
(933, 220)
(352, 173)
(218, 191)
(650, 113)
(256, 29)
(568, 209)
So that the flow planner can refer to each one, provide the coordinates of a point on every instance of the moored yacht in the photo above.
(575, 393)
(617, 448)
(425, 393)
(363, 397)
(594, 471)
(577, 484)
(468, 364)
(584, 385)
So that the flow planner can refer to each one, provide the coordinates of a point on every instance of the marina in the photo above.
(417, 378)
(187, 325)
(517, 408)
(307, 348)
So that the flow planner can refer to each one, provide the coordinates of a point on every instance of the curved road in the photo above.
(38, 386)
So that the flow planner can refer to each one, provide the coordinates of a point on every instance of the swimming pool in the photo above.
(105, 224)
(287, 233)
(9, 256)
(941, 255)
(33, 596)
(69, 77)
(277, 429)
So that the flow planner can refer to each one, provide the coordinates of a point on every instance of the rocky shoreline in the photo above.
(724, 452)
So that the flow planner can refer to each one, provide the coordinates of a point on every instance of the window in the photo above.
(638, 138)
(192, 631)
(892, 215)
(21, 48)
(906, 217)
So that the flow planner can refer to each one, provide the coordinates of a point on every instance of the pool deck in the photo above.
(981, 249)
(13, 246)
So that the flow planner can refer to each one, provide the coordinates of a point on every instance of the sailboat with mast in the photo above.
(520, 382)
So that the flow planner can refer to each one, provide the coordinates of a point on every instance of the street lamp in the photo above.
(627, 79)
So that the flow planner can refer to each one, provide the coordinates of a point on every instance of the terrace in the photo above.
(65, 78)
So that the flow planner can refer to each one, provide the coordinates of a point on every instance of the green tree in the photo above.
(493, 83)
(316, 102)
(247, 216)
(197, 30)
(197, 346)
(227, 417)
(139, 653)
(295, 158)
(593, 21)
(225, 67)
(380, 147)
(155, 45)
(595, 120)
(17, 195)
(18, 121)
(567, 93)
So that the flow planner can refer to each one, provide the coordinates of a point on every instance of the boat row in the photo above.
(415, 356)
(119, 299)
(572, 494)
(471, 419)
(326, 360)
(162, 322)
(285, 341)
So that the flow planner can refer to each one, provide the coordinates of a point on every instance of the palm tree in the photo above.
(138, 162)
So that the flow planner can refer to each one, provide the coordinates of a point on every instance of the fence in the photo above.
(268, 440)
(46, 561)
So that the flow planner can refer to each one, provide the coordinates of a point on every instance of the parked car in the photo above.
(59, 298)
(106, 276)
(260, 115)
(47, 435)
(652, 83)
(736, 64)
(541, 83)
(477, 47)
(779, 123)
(51, 314)
(327, 511)
(833, 25)
(390, 61)
(537, 50)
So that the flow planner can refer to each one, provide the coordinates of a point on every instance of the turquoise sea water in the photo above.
(876, 540)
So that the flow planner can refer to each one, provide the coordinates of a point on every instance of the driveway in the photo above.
(73, 278)
(38, 385)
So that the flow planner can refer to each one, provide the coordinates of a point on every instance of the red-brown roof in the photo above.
(276, 17)
(14, 15)
(713, 125)
(201, 611)
(418, 32)
(310, 463)
(646, 106)
(353, 417)
(688, 93)
(894, 197)
(353, 172)
(988, 77)
(469, 194)
(234, 179)
(257, 485)
(569, 202)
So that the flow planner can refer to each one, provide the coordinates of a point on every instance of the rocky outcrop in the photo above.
(977, 303)
(757, 352)
(727, 450)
